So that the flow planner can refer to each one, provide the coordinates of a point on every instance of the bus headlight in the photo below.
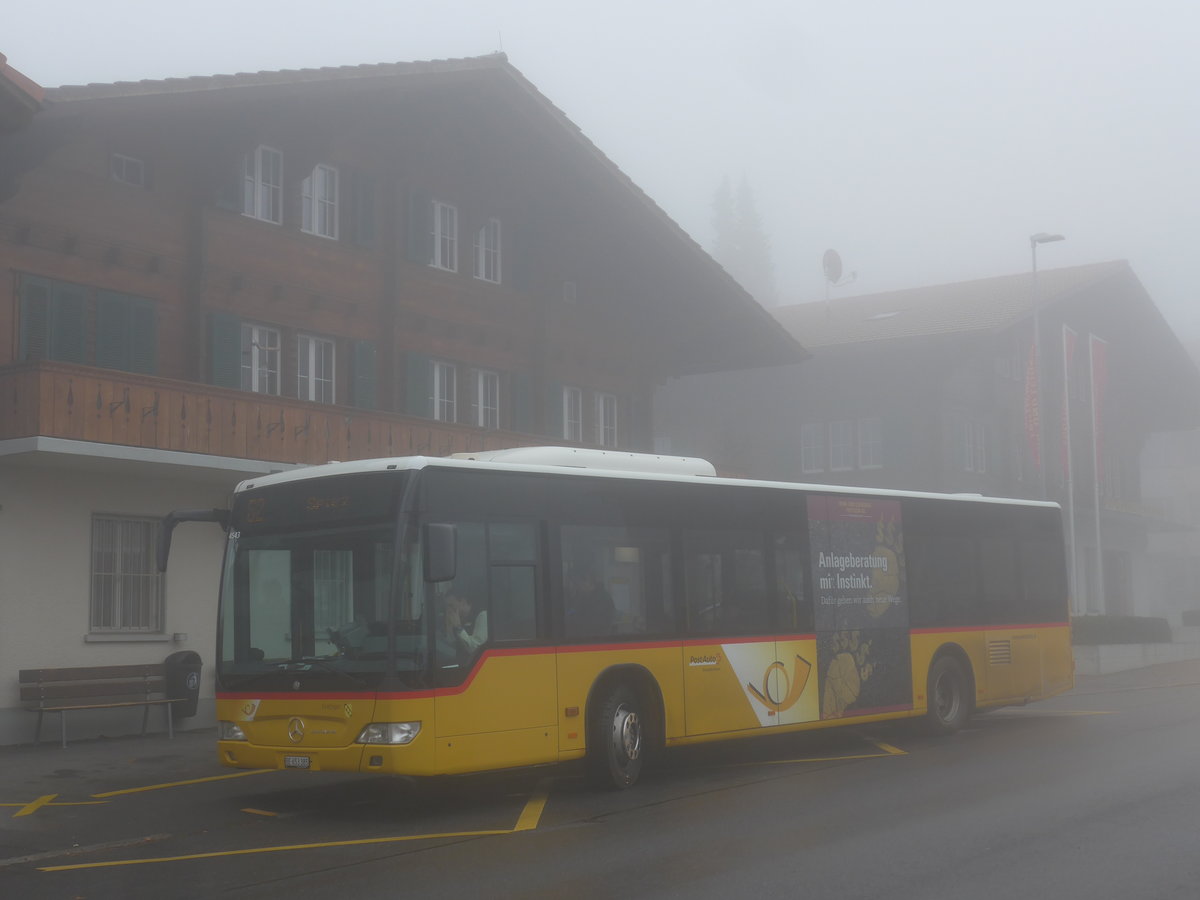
(230, 731)
(389, 733)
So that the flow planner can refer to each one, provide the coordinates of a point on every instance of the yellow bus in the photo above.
(429, 616)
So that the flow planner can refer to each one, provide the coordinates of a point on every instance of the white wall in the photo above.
(45, 560)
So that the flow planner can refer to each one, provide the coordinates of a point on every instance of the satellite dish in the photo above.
(832, 264)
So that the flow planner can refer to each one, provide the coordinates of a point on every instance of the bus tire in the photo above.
(616, 744)
(947, 695)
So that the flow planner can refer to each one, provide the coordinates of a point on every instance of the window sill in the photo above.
(119, 637)
(246, 215)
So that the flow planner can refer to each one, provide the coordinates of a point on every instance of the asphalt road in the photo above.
(1092, 795)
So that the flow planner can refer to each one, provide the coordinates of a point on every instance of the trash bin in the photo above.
(183, 682)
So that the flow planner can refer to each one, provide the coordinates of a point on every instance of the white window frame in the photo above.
(316, 365)
(487, 399)
(606, 420)
(870, 443)
(487, 252)
(572, 414)
(128, 595)
(841, 445)
(974, 436)
(262, 185)
(445, 237)
(261, 352)
(319, 202)
(122, 168)
(812, 447)
(445, 391)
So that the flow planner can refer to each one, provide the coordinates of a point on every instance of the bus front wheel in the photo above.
(615, 748)
(949, 703)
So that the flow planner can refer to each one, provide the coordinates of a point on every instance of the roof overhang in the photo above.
(20, 98)
(117, 459)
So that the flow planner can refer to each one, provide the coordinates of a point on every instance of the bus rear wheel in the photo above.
(947, 694)
(616, 744)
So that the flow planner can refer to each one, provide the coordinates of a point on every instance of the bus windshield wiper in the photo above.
(306, 663)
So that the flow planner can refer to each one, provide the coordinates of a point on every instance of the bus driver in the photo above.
(458, 617)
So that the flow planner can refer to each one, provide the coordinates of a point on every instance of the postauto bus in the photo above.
(428, 616)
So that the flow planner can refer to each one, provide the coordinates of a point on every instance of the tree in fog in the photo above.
(740, 244)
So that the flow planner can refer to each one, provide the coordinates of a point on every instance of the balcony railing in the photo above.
(80, 403)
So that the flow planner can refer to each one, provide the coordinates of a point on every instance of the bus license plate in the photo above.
(296, 762)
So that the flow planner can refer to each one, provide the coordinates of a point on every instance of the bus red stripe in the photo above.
(582, 648)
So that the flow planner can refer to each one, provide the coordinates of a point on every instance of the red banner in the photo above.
(1032, 429)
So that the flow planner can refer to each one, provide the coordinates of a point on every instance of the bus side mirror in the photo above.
(440, 552)
(166, 528)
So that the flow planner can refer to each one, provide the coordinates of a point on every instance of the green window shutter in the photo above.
(420, 235)
(522, 389)
(362, 209)
(228, 193)
(417, 386)
(68, 324)
(35, 319)
(554, 409)
(225, 350)
(363, 379)
(126, 334)
(514, 270)
(143, 338)
(113, 331)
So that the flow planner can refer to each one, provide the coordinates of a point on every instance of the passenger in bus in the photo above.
(589, 607)
(459, 629)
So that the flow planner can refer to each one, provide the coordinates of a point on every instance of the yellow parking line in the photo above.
(528, 821)
(532, 813)
(30, 808)
(1051, 713)
(888, 748)
(171, 784)
(25, 809)
(815, 759)
(248, 851)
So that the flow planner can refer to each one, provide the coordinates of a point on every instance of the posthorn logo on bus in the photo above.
(296, 730)
(779, 692)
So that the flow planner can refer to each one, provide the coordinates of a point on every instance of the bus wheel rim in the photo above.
(947, 697)
(627, 728)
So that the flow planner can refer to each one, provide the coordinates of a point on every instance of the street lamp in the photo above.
(1041, 237)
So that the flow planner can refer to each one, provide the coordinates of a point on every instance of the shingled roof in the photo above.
(20, 97)
(989, 304)
(96, 91)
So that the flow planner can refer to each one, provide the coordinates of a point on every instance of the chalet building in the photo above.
(934, 389)
(205, 279)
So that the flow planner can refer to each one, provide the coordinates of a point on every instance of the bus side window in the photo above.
(616, 580)
(794, 612)
(725, 582)
(998, 571)
(514, 603)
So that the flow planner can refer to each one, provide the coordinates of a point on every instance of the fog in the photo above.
(925, 141)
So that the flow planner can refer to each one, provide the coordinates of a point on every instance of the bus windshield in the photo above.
(314, 602)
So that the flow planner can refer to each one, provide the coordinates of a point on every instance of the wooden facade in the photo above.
(135, 242)
(79, 403)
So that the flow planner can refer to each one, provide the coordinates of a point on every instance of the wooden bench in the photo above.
(94, 687)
